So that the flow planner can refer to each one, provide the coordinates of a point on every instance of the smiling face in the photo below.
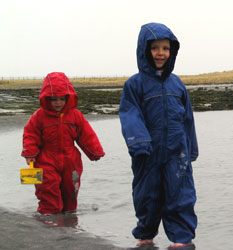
(58, 103)
(160, 51)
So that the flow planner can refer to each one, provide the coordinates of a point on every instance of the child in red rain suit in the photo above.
(48, 140)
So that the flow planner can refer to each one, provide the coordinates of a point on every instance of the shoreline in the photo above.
(104, 100)
(223, 77)
(19, 231)
(106, 87)
(16, 121)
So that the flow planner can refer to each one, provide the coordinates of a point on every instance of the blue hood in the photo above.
(154, 31)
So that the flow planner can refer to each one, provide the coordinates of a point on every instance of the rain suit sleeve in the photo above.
(87, 139)
(32, 137)
(190, 128)
(134, 130)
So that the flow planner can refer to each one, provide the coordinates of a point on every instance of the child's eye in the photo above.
(166, 48)
(54, 99)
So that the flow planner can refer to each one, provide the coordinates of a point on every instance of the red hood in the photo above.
(57, 84)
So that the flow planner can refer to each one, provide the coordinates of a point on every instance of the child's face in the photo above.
(160, 51)
(58, 103)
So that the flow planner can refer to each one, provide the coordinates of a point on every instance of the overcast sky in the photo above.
(99, 37)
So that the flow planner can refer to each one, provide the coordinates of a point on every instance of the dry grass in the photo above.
(99, 81)
(20, 83)
(209, 78)
(77, 82)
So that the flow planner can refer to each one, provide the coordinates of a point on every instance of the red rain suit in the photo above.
(49, 137)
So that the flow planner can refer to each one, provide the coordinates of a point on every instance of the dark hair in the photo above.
(149, 55)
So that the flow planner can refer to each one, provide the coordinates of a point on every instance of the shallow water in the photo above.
(105, 203)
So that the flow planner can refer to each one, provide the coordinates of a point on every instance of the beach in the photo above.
(105, 214)
(22, 230)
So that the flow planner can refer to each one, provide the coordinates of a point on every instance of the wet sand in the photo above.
(105, 207)
(11, 122)
(21, 232)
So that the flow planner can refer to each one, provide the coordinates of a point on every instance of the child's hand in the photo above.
(30, 159)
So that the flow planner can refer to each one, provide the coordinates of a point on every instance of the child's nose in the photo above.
(160, 51)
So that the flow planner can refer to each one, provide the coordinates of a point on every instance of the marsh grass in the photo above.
(225, 77)
(77, 82)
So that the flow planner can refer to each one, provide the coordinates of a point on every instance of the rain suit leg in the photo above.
(178, 216)
(147, 196)
(70, 185)
(61, 182)
(164, 192)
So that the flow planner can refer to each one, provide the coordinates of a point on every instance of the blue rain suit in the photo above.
(158, 126)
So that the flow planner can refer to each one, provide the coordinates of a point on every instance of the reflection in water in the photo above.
(155, 247)
(144, 247)
(64, 219)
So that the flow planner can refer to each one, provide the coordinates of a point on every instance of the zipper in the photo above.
(61, 135)
(165, 132)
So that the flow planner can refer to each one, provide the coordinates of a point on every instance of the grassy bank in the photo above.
(77, 82)
(225, 77)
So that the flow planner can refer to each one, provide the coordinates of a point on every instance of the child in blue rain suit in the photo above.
(158, 126)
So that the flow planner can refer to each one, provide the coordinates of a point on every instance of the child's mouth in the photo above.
(159, 60)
